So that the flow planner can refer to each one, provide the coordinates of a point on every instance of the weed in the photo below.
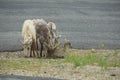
(92, 59)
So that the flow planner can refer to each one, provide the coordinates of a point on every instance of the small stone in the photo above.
(112, 74)
(93, 50)
(45, 72)
(12, 74)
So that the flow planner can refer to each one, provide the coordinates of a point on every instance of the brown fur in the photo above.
(43, 33)
(67, 44)
(39, 29)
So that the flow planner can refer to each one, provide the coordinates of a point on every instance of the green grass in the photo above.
(20, 64)
(30, 64)
(90, 58)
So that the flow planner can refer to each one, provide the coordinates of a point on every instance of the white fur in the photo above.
(28, 29)
(52, 26)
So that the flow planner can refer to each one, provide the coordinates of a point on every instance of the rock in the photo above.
(113, 74)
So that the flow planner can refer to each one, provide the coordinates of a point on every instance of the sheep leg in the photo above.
(41, 49)
(36, 49)
(31, 51)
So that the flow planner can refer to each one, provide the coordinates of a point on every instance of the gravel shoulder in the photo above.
(55, 68)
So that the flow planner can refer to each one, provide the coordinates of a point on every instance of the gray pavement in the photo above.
(86, 23)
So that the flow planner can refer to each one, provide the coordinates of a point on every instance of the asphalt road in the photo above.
(86, 23)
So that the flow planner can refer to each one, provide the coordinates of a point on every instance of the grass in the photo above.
(19, 64)
(92, 58)
(67, 67)
(30, 64)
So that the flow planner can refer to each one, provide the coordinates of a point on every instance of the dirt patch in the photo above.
(55, 68)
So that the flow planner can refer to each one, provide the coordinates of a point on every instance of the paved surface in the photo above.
(14, 77)
(87, 23)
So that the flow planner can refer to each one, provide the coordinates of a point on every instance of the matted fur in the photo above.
(43, 34)
(39, 22)
(39, 29)
(29, 37)
(55, 36)
(52, 25)
(29, 29)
